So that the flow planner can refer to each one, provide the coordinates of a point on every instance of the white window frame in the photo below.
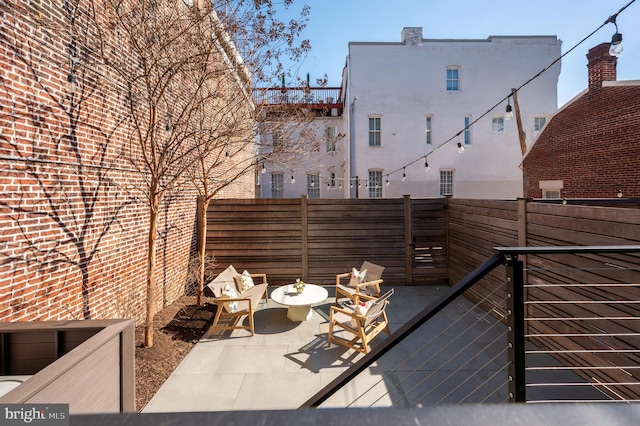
(453, 82)
(313, 185)
(375, 134)
(332, 180)
(467, 130)
(276, 137)
(428, 129)
(497, 124)
(277, 185)
(538, 123)
(375, 183)
(446, 182)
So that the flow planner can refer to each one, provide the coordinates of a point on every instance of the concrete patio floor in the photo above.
(285, 362)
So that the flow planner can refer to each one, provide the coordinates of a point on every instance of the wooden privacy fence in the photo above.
(315, 239)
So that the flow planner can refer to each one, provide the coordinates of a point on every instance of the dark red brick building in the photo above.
(591, 147)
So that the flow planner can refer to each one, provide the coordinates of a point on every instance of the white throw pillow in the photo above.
(230, 293)
(361, 309)
(357, 277)
(244, 281)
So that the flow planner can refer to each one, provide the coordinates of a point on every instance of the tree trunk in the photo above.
(201, 233)
(151, 263)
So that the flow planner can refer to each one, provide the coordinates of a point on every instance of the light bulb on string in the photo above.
(426, 165)
(293, 179)
(264, 169)
(388, 183)
(404, 175)
(460, 148)
(508, 115)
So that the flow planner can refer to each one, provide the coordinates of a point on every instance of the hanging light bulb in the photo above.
(616, 40)
(619, 193)
(404, 175)
(264, 169)
(460, 148)
(387, 181)
(426, 165)
(616, 44)
(508, 115)
(293, 179)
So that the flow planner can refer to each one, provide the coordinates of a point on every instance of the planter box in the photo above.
(86, 364)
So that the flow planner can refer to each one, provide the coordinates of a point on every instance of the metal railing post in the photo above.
(515, 330)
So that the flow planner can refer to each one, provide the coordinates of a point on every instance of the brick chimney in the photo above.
(601, 66)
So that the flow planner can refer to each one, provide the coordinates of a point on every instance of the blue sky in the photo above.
(334, 23)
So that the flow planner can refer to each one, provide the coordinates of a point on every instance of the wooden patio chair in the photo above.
(363, 328)
(370, 286)
(233, 303)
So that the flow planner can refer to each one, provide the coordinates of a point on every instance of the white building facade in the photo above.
(408, 106)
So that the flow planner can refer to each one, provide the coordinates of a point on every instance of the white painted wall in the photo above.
(405, 82)
(321, 162)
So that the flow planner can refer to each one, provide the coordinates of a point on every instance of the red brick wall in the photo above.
(591, 144)
(73, 218)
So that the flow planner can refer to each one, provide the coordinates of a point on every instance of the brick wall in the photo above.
(73, 217)
(592, 143)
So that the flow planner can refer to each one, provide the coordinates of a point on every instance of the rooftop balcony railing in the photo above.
(564, 328)
(313, 97)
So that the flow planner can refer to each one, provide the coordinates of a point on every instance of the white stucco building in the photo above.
(414, 100)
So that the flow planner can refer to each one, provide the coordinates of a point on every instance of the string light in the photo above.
(426, 165)
(506, 98)
(387, 181)
(404, 175)
(508, 115)
(616, 40)
(264, 169)
(293, 179)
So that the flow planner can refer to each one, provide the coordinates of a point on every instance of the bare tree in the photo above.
(226, 122)
(188, 92)
(183, 89)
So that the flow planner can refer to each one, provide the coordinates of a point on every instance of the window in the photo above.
(446, 182)
(374, 131)
(313, 185)
(428, 130)
(276, 137)
(375, 183)
(551, 188)
(276, 185)
(497, 124)
(538, 123)
(453, 79)
(467, 130)
(550, 193)
(330, 134)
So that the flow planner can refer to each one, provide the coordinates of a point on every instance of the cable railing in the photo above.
(571, 333)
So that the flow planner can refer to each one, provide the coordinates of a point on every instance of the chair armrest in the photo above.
(369, 283)
(349, 312)
(263, 276)
(339, 276)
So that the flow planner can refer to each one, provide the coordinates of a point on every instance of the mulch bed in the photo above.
(177, 328)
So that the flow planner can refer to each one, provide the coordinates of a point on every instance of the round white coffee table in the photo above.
(299, 304)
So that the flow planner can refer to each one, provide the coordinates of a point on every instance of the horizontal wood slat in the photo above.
(268, 236)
